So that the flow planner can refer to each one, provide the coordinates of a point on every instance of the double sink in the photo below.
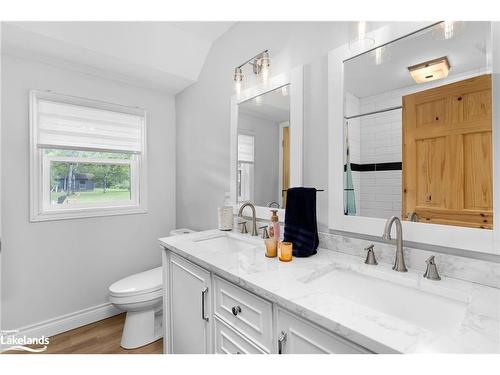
(406, 297)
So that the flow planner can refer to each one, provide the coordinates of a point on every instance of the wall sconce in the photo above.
(261, 67)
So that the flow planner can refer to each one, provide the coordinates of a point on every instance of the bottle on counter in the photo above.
(274, 226)
(225, 214)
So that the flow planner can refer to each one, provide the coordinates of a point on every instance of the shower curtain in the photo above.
(349, 197)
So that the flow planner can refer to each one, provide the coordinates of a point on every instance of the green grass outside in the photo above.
(95, 196)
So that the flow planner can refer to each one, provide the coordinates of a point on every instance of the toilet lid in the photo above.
(139, 283)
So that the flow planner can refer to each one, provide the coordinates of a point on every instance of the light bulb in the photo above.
(265, 73)
(284, 91)
(237, 87)
(361, 29)
(265, 63)
(359, 39)
(449, 29)
(238, 78)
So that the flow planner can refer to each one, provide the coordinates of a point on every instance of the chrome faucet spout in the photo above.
(254, 219)
(399, 262)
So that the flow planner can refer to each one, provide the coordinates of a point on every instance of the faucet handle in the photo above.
(265, 233)
(370, 255)
(244, 229)
(431, 272)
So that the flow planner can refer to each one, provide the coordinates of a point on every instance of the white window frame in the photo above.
(40, 207)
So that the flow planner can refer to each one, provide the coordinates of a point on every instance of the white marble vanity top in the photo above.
(380, 309)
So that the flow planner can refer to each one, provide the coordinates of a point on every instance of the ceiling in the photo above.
(274, 106)
(151, 54)
(466, 51)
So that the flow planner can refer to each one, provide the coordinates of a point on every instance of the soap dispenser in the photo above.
(274, 226)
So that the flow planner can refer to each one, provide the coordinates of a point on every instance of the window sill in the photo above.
(81, 213)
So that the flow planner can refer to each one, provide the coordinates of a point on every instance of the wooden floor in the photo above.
(102, 337)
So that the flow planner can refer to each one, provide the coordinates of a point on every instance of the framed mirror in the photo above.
(417, 131)
(266, 142)
(263, 157)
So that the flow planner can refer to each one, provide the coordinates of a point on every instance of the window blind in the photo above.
(246, 148)
(64, 125)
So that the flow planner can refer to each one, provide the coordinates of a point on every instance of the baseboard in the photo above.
(70, 321)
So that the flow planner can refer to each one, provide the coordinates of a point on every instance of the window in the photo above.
(87, 158)
(246, 161)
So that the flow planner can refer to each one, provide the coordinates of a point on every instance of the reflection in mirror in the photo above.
(264, 148)
(418, 128)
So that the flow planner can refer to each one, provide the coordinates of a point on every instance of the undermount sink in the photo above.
(226, 242)
(424, 309)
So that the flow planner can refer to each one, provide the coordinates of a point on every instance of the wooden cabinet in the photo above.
(205, 313)
(189, 308)
(447, 154)
(298, 336)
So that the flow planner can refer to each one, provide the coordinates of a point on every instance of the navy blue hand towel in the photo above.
(301, 227)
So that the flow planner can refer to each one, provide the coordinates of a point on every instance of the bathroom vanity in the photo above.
(222, 295)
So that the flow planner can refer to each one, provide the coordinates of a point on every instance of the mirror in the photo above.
(263, 150)
(418, 128)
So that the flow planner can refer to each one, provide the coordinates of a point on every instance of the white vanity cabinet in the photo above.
(189, 315)
(205, 313)
(298, 336)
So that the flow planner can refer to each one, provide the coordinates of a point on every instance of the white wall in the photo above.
(203, 112)
(60, 267)
(266, 167)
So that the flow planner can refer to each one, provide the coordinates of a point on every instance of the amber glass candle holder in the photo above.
(285, 251)
(271, 248)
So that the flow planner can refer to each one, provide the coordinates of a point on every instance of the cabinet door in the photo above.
(190, 307)
(295, 335)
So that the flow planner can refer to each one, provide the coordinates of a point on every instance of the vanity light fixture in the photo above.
(261, 66)
(430, 70)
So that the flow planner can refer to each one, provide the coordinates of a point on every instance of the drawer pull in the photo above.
(281, 342)
(203, 294)
(236, 310)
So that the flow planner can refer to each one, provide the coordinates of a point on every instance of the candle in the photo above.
(271, 248)
(285, 251)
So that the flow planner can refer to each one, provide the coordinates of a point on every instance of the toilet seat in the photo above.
(139, 284)
(119, 299)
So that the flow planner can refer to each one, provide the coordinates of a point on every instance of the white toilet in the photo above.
(140, 295)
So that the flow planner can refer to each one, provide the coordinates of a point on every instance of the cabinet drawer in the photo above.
(245, 312)
(298, 336)
(228, 341)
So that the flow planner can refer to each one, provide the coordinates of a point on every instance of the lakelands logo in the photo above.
(11, 340)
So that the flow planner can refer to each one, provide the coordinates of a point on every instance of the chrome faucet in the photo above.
(254, 219)
(399, 262)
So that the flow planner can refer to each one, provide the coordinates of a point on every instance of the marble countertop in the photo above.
(380, 309)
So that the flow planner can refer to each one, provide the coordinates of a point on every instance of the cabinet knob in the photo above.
(236, 310)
